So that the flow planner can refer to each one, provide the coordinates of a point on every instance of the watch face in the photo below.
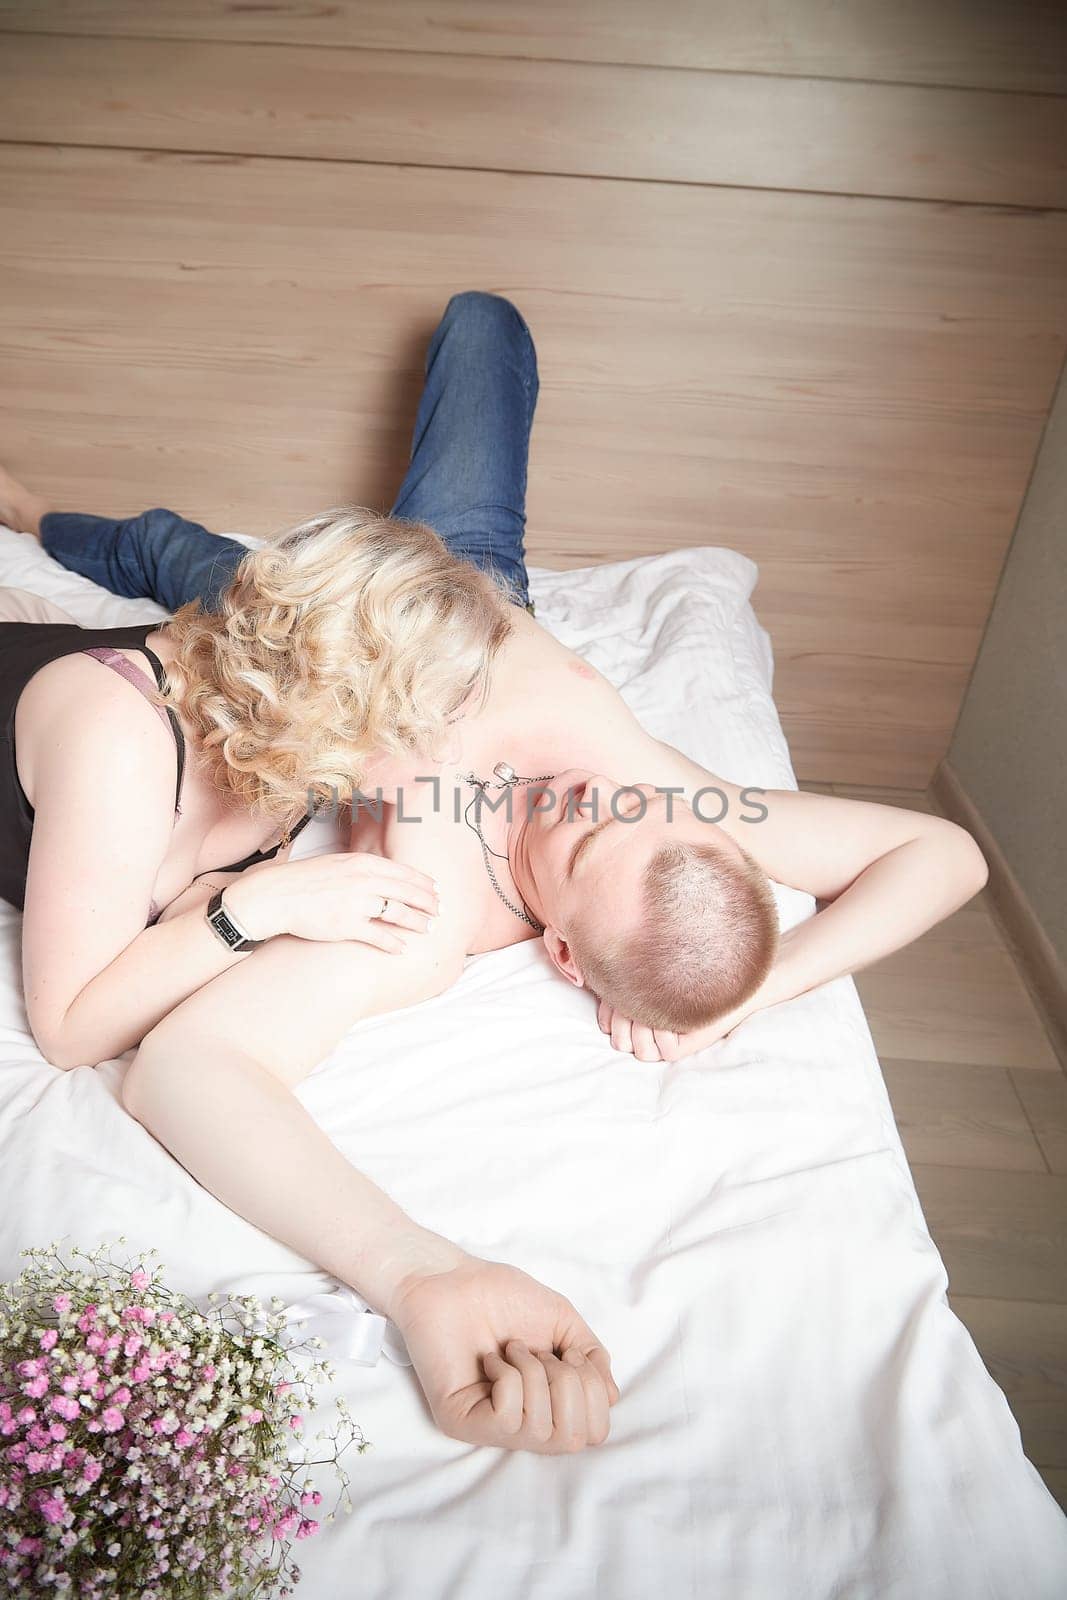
(225, 929)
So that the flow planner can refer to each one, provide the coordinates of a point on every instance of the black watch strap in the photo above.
(232, 935)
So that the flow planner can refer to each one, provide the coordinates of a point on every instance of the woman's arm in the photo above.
(96, 980)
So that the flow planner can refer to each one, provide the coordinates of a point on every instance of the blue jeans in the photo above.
(467, 476)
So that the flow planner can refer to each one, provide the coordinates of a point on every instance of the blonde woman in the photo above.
(503, 1359)
(137, 760)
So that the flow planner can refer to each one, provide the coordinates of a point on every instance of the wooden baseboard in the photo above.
(1038, 961)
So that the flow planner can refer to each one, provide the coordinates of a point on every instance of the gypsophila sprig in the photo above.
(148, 1447)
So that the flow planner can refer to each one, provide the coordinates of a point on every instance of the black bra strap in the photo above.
(176, 727)
(179, 740)
(265, 855)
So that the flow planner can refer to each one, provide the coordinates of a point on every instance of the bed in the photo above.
(801, 1416)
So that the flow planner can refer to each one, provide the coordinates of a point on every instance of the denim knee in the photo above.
(158, 523)
(480, 317)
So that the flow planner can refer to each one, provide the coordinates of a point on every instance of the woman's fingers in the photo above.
(407, 883)
(402, 916)
(377, 934)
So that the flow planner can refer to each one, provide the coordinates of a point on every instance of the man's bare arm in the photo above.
(213, 1083)
(886, 874)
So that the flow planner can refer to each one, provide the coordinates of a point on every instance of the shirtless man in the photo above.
(577, 860)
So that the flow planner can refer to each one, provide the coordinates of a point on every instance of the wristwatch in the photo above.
(233, 936)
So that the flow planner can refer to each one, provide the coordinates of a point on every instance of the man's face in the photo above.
(590, 839)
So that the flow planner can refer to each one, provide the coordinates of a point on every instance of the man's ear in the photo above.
(562, 957)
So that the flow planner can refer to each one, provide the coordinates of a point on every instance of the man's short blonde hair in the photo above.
(703, 943)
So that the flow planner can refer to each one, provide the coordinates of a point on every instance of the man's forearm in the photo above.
(891, 903)
(247, 1138)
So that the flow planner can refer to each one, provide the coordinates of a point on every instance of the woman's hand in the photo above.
(343, 896)
(503, 1360)
(659, 1044)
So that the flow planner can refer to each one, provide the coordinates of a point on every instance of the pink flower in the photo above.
(139, 1279)
(27, 1415)
(112, 1419)
(91, 1469)
(36, 1387)
(65, 1406)
(53, 1509)
(29, 1369)
(121, 1397)
(61, 1303)
(208, 1371)
(133, 1345)
(48, 1339)
(28, 1546)
(252, 1524)
(183, 1438)
(57, 1430)
(140, 1372)
(307, 1528)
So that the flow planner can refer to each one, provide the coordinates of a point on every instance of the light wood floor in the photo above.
(981, 1103)
(797, 273)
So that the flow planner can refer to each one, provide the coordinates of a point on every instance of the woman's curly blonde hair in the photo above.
(352, 635)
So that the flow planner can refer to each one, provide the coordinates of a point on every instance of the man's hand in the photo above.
(505, 1361)
(659, 1044)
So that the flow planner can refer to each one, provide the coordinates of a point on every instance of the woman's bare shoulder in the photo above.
(76, 704)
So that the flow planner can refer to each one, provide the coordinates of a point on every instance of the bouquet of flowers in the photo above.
(147, 1447)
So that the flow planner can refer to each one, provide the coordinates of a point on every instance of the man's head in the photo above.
(662, 915)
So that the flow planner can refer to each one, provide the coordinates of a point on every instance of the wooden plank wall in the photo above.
(797, 274)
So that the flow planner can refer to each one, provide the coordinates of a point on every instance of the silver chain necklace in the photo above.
(506, 778)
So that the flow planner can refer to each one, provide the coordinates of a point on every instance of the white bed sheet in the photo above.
(802, 1416)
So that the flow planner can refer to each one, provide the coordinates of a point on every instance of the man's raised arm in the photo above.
(886, 875)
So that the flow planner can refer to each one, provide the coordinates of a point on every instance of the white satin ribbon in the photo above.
(348, 1328)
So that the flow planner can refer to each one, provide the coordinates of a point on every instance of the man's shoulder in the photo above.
(425, 829)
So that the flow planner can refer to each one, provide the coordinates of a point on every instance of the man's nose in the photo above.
(602, 788)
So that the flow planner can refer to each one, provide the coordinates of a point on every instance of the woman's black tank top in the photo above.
(26, 647)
